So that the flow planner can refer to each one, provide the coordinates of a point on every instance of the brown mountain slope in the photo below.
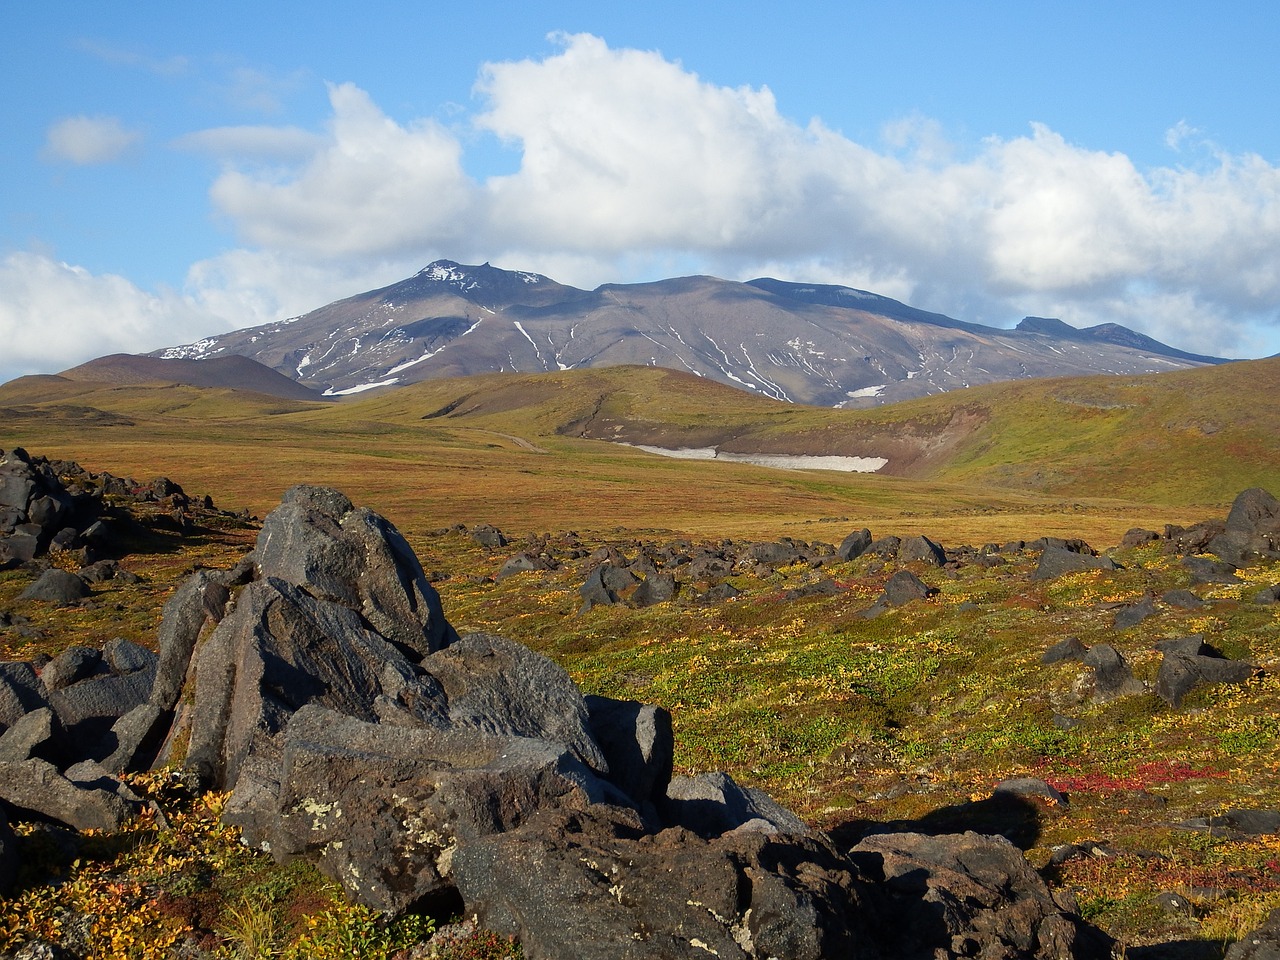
(230, 372)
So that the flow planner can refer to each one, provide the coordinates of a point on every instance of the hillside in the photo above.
(812, 344)
(503, 448)
(230, 372)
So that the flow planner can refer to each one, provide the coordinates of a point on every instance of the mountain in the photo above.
(806, 343)
(232, 372)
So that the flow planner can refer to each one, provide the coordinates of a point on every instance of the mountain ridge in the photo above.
(816, 344)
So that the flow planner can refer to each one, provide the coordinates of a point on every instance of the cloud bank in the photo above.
(630, 165)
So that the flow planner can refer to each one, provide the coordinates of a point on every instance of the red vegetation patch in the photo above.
(1144, 775)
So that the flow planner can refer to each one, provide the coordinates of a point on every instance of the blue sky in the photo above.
(171, 172)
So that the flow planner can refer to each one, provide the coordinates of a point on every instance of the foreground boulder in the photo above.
(383, 809)
(971, 896)
(591, 886)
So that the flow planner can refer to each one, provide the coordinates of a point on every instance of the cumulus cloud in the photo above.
(633, 167)
(89, 140)
(374, 189)
(54, 315)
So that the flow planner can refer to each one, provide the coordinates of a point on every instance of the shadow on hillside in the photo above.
(1005, 814)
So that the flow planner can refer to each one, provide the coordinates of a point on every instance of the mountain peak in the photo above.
(471, 278)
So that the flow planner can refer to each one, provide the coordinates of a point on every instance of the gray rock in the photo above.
(1134, 614)
(782, 553)
(32, 735)
(1192, 646)
(56, 586)
(854, 545)
(1030, 787)
(503, 688)
(968, 895)
(36, 787)
(93, 705)
(1204, 570)
(638, 745)
(656, 588)
(21, 690)
(1069, 648)
(279, 649)
(316, 539)
(904, 587)
(522, 563)
(135, 739)
(71, 666)
(1181, 673)
(595, 592)
(125, 656)
(1252, 529)
(921, 549)
(201, 600)
(711, 804)
(1182, 600)
(382, 810)
(489, 536)
(1268, 595)
(1056, 560)
(672, 895)
(1112, 676)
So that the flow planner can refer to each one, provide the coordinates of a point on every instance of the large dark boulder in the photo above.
(503, 688)
(588, 885)
(280, 649)
(1252, 529)
(656, 588)
(34, 734)
(923, 550)
(901, 588)
(1057, 560)
(36, 788)
(56, 586)
(352, 556)
(854, 545)
(384, 809)
(1204, 570)
(72, 665)
(21, 690)
(969, 895)
(1112, 675)
(1189, 663)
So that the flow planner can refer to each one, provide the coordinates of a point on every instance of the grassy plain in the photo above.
(909, 718)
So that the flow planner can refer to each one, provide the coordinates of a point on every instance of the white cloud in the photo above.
(374, 189)
(54, 316)
(89, 140)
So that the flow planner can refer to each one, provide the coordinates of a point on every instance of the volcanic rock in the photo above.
(970, 896)
(56, 586)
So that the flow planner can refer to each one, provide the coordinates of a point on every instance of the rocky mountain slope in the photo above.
(814, 344)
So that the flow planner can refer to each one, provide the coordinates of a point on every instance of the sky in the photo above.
(172, 171)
